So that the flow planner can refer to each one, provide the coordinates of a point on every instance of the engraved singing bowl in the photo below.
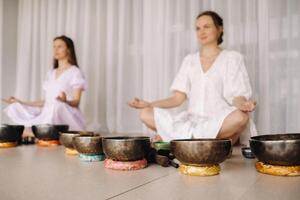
(49, 131)
(88, 144)
(201, 151)
(277, 149)
(11, 133)
(126, 148)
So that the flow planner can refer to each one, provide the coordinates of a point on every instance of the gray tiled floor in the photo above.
(31, 172)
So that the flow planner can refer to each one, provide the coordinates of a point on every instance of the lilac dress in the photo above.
(53, 111)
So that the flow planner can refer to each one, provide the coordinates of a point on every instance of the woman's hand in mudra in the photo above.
(139, 103)
(247, 106)
(62, 97)
(11, 100)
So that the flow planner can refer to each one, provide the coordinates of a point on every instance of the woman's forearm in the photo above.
(39, 103)
(164, 103)
(170, 102)
(238, 101)
(73, 103)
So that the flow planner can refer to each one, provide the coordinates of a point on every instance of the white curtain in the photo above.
(130, 48)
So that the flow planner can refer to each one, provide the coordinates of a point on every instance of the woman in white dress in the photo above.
(63, 88)
(215, 82)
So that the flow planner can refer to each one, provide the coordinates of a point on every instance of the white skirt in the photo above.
(52, 113)
(186, 125)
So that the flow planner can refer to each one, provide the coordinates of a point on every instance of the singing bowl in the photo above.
(247, 153)
(66, 138)
(201, 151)
(88, 144)
(126, 148)
(161, 145)
(279, 149)
(11, 133)
(49, 131)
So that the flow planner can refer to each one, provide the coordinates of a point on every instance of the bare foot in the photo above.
(27, 133)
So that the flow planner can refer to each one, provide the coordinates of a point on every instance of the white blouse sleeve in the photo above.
(236, 81)
(181, 82)
(78, 81)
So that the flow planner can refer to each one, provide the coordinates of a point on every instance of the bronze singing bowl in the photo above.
(201, 151)
(126, 148)
(279, 149)
(88, 144)
(49, 131)
(11, 133)
(66, 138)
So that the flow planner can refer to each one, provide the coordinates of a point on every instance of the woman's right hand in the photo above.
(11, 100)
(139, 103)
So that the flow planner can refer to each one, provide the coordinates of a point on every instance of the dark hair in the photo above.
(70, 45)
(218, 21)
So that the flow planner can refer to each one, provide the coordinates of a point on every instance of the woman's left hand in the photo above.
(247, 106)
(62, 97)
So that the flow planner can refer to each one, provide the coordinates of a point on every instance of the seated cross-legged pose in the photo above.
(215, 82)
(63, 88)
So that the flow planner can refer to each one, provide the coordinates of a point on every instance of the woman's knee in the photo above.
(241, 118)
(15, 105)
(234, 124)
